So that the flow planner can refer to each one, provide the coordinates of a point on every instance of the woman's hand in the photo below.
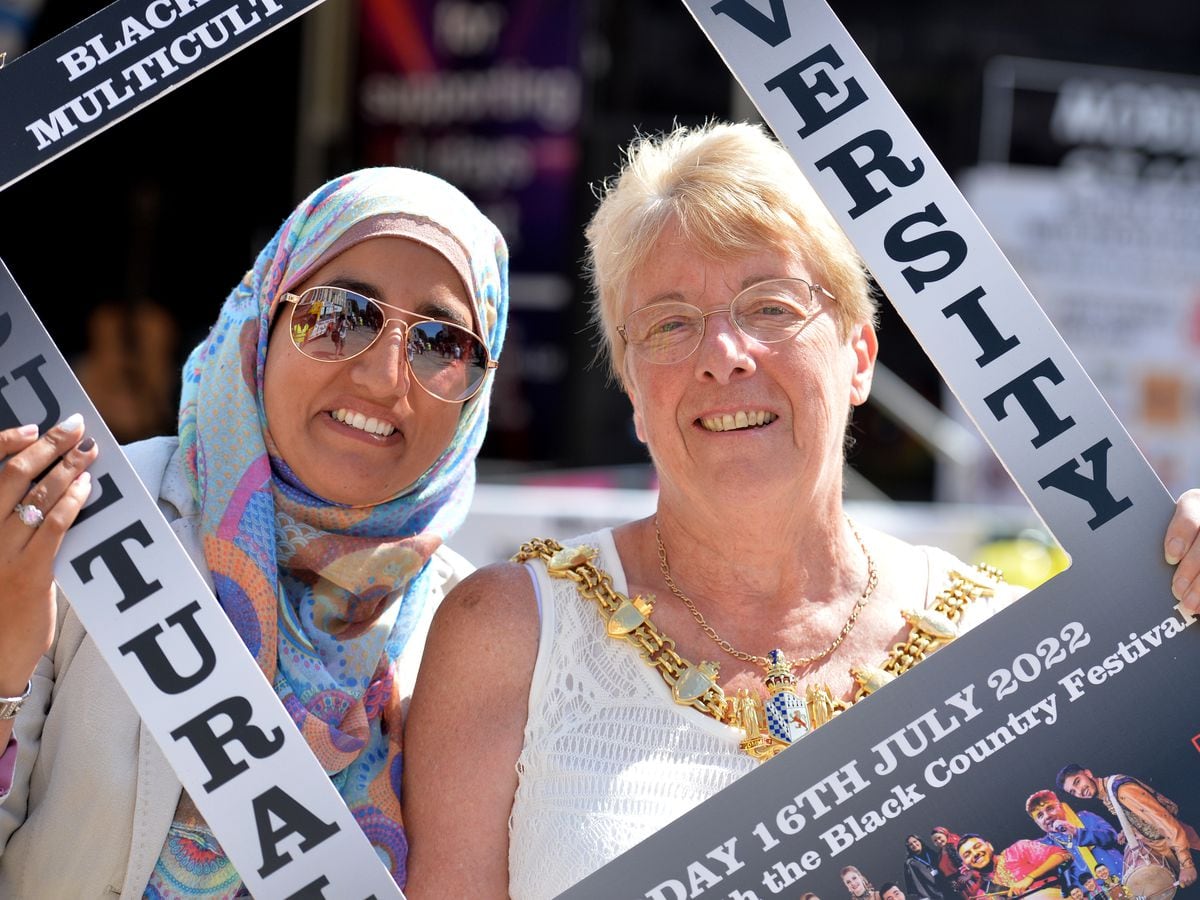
(33, 520)
(1182, 550)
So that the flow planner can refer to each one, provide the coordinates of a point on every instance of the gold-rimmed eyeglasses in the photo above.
(333, 324)
(769, 312)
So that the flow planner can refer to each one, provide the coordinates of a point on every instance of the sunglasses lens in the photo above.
(449, 361)
(332, 323)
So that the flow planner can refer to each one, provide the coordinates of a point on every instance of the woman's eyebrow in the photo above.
(759, 279)
(354, 284)
(436, 309)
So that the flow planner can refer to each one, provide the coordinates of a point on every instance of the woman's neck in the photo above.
(773, 558)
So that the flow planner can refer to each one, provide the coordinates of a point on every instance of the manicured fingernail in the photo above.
(72, 422)
(1174, 550)
(28, 431)
(86, 444)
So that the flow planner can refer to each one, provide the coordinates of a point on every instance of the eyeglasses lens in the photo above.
(773, 310)
(770, 311)
(665, 332)
(331, 324)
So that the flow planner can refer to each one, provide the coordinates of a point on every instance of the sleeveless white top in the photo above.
(609, 758)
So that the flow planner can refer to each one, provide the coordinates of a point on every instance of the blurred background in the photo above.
(1073, 127)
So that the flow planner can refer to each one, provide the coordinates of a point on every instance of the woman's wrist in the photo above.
(10, 704)
(13, 681)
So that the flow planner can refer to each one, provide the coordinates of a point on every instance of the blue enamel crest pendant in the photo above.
(776, 723)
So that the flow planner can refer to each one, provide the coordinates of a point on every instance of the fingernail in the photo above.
(1177, 588)
(72, 422)
(84, 479)
(28, 431)
(86, 444)
(1174, 550)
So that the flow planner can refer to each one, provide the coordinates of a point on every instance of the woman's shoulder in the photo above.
(497, 600)
(151, 457)
(932, 573)
(159, 463)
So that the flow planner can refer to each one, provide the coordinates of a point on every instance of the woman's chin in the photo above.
(358, 495)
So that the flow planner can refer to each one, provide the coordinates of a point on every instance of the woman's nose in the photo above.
(383, 368)
(724, 352)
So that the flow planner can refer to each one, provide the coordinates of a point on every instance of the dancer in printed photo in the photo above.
(1089, 839)
(1024, 869)
(1148, 819)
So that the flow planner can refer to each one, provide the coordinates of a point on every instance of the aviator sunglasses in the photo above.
(332, 324)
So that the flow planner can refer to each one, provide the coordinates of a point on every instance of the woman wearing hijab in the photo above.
(314, 482)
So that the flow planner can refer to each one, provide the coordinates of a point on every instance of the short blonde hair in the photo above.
(732, 190)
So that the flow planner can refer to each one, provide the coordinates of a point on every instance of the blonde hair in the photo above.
(731, 190)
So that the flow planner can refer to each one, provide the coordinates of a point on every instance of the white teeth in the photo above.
(362, 423)
(736, 421)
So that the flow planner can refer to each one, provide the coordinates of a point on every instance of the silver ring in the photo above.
(29, 514)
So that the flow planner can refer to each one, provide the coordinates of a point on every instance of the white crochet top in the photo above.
(609, 757)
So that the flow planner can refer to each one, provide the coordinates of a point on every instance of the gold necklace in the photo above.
(770, 725)
(768, 662)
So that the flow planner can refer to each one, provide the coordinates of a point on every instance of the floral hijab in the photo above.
(326, 596)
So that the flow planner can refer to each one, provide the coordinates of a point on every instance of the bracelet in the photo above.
(10, 706)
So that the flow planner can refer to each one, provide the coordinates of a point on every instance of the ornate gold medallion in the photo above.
(694, 682)
(629, 615)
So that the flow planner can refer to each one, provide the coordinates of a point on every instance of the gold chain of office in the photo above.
(629, 620)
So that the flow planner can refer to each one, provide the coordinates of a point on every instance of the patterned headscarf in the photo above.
(326, 596)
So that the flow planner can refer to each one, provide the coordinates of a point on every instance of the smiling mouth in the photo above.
(735, 421)
(369, 424)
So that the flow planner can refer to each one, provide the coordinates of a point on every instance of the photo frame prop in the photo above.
(115, 62)
(1085, 669)
(145, 605)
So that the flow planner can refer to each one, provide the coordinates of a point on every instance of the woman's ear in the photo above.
(638, 423)
(865, 346)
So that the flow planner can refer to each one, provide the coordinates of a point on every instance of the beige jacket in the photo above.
(93, 795)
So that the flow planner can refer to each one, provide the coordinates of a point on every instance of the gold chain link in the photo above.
(655, 648)
(952, 603)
